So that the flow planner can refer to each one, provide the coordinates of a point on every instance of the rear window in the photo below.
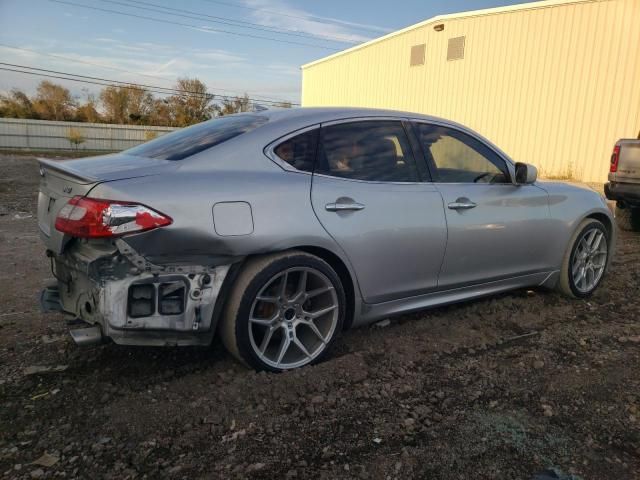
(191, 140)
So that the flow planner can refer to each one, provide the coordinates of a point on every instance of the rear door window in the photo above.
(188, 141)
(377, 151)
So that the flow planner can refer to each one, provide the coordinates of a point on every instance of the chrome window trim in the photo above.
(269, 150)
(376, 182)
(373, 118)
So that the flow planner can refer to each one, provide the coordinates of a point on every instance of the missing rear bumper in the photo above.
(131, 301)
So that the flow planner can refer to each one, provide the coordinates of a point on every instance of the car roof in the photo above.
(307, 115)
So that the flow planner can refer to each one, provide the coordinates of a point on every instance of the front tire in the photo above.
(285, 311)
(585, 261)
(628, 218)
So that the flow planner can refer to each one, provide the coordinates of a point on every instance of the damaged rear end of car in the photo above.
(100, 278)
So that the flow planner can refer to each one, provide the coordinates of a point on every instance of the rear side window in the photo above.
(191, 140)
(299, 151)
(377, 151)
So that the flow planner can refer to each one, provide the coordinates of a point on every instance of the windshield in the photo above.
(188, 141)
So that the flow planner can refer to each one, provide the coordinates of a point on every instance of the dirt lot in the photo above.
(453, 393)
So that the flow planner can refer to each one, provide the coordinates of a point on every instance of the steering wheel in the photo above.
(481, 176)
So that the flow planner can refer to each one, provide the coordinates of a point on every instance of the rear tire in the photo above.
(285, 311)
(628, 218)
(585, 261)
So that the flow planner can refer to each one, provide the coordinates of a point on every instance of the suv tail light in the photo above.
(615, 158)
(94, 218)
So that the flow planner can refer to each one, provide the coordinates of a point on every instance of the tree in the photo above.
(232, 105)
(161, 113)
(126, 104)
(88, 112)
(140, 105)
(16, 105)
(75, 137)
(192, 106)
(115, 101)
(53, 102)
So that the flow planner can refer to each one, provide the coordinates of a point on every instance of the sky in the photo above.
(211, 44)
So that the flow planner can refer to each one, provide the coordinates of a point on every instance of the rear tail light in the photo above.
(94, 218)
(615, 158)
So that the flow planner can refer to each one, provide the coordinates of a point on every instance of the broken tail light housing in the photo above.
(615, 158)
(86, 217)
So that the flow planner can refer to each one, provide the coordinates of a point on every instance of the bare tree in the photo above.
(115, 101)
(140, 105)
(193, 105)
(16, 105)
(88, 111)
(161, 113)
(234, 105)
(127, 104)
(53, 102)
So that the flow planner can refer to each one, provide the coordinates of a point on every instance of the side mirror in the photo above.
(526, 174)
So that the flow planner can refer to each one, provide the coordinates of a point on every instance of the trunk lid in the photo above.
(62, 180)
(628, 163)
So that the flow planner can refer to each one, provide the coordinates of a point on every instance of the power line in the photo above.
(225, 20)
(314, 18)
(130, 87)
(139, 85)
(116, 83)
(256, 97)
(191, 26)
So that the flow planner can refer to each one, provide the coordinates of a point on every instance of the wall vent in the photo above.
(455, 50)
(417, 55)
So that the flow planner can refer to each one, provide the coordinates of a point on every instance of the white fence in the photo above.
(18, 134)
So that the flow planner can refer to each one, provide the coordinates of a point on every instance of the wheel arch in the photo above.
(605, 220)
(344, 274)
(337, 263)
(610, 227)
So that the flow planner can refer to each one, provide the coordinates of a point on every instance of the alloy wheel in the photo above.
(293, 318)
(589, 260)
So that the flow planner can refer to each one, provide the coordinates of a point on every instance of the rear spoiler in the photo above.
(58, 167)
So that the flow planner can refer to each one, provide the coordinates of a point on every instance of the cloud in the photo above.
(109, 58)
(218, 56)
(203, 28)
(283, 69)
(276, 13)
(151, 63)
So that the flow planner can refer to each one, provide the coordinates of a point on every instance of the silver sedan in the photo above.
(279, 230)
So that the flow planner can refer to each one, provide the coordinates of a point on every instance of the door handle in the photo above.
(343, 207)
(462, 204)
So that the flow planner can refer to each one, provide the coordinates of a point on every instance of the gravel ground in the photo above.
(501, 388)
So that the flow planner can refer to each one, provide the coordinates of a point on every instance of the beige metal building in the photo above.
(554, 83)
